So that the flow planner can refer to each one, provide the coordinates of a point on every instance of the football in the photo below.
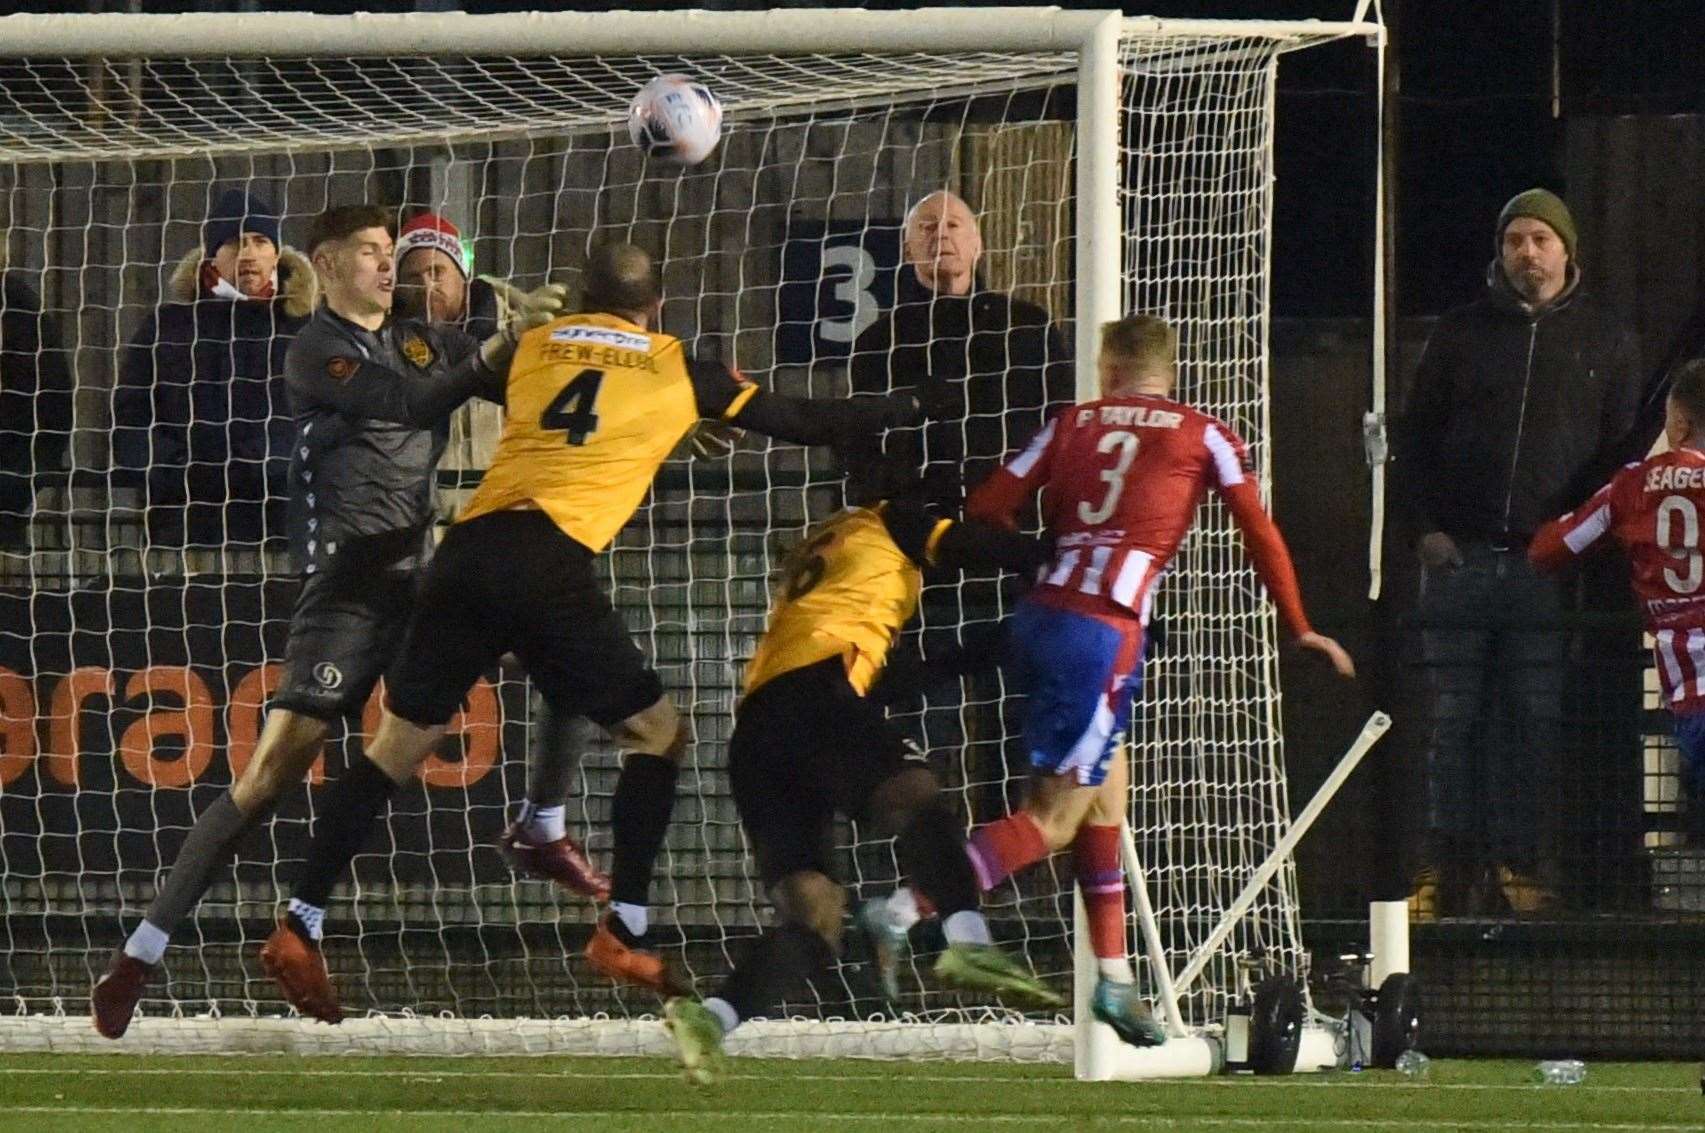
(676, 119)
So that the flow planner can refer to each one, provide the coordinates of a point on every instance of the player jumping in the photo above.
(1122, 477)
(1653, 508)
(807, 744)
(372, 397)
(595, 404)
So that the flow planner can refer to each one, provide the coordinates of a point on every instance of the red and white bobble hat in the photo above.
(429, 230)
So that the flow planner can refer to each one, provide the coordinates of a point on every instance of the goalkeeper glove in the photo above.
(713, 440)
(527, 310)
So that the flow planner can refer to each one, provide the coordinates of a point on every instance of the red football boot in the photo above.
(300, 969)
(112, 1003)
(619, 956)
(561, 861)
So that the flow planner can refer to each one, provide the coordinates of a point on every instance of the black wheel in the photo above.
(1275, 1025)
(1396, 1018)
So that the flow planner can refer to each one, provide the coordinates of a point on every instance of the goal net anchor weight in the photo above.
(1187, 1053)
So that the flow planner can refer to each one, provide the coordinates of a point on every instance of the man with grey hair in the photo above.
(1514, 416)
(992, 365)
(991, 368)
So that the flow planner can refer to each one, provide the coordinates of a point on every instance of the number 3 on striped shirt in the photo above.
(1126, 443)
(1686, 548)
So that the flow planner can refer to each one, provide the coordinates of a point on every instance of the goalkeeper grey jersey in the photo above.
(372, 416)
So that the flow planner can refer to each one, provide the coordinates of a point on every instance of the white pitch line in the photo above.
(698, 1115)
(1239, 1083)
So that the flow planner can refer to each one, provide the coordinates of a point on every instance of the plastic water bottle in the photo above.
(1414, 1064)
(1561, 1072)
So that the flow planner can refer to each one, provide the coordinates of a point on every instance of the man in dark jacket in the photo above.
(35, 401)
(1515, 415)
(200, 406)
(997, 364)
(990, 368)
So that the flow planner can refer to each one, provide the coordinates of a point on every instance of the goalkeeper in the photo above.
(371, 397)
(596, 402)
(808, 743)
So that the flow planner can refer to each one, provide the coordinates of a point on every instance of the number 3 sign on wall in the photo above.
(837, 278)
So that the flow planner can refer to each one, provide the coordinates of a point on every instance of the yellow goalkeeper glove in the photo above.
(713, 440)
(527, 310)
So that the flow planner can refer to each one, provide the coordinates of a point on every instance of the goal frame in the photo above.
(1094, 36)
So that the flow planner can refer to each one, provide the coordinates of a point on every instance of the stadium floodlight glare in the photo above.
(1115, 164)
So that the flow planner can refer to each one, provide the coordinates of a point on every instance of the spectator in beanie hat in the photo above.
(1515, 414)
(200, 408)
(434, 282)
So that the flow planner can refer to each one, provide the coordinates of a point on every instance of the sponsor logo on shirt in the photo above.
(340, 369)
(328, 675)
(603, 336)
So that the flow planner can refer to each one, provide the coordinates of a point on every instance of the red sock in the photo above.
(1001, 849)
(1101, 878)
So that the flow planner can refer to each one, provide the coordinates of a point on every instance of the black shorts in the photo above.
(806, 746)
(511, 581)
(344, 633)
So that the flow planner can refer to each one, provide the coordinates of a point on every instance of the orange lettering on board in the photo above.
(194, 722)
(65, 710)
(480, 727)
(17, 725)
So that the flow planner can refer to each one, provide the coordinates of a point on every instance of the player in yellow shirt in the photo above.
(808, 743)
(595, 403)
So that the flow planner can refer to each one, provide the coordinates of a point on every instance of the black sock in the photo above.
(932, 852)
(346, 821)
(776, 969)
(639, 818)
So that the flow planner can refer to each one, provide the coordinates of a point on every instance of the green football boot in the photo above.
(698, 1039)
(987, 968)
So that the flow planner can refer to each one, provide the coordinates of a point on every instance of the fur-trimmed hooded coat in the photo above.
(201, 406)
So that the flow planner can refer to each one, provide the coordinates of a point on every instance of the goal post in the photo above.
(1114, 164)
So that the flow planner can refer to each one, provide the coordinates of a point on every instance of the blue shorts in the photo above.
(1082, 674)
(1690, 738)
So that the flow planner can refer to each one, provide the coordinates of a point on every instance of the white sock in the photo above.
(724, 1012)
(147, 943)
(903, 908)
(636, 917)
(311, 916)
(966, 927)
(545, 824)
(1115, 968)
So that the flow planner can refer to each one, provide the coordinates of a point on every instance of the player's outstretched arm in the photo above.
(953, 544)
(1562, 539)
(323, 370)
(361, 388)
(1272, 560)
(996, 500)
(723, 395)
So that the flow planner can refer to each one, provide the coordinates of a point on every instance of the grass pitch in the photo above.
(252, 1094)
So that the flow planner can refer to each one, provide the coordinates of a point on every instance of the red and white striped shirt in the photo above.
(1653, 509)
(1122, 478)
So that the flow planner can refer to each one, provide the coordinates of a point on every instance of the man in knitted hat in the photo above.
(199, 411)
(432, 271)
(1515, 413)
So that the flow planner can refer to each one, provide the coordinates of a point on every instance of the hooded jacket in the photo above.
(1514, 414)
(200, 405)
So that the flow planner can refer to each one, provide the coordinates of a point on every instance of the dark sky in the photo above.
(1477, 123)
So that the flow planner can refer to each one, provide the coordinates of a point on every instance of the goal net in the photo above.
(144, 592)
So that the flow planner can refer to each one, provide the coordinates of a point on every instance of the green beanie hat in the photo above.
(1541, 205)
